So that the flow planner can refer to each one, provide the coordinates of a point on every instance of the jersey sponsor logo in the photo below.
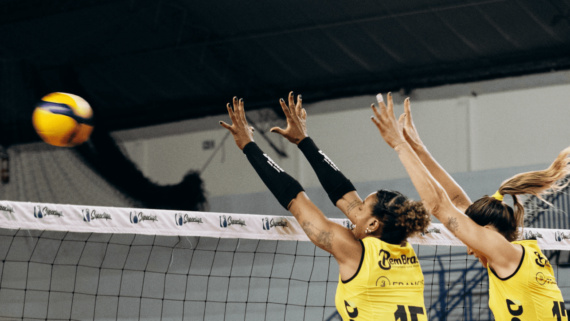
(386, 262)
(328, 161)
(225, 222)
(140, 217)
(88, 216)
(7, 208)
(540, 260)
(385, 282)
(530, 235)
(40, 212)
(273, 164)
(543, 279)
(268, 224)
(560, 236)
(351, 309)
(185, 219)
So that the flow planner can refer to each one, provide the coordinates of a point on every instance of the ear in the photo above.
(373, 224)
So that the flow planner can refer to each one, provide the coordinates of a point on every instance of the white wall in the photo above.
(515, 122)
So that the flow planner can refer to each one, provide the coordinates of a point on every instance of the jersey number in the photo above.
(400, 314)
(559, 310)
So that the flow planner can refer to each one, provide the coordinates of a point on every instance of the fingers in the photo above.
(379, 98)
(401, 120)
(285, 108)
(231, 113)
(277, 130)
(238, 108)
(375, 121)
(252, 129)
(226, 126)
(291, 100)
(304, 115)
(408, 111)
(390, 102)
(235, 108)
(376, 112)
(299, 107)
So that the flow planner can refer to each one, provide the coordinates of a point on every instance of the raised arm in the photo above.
(501, 254)
(329, 236)
(458, 197)
(339, 189)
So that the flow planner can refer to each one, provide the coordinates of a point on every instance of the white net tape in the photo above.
(98, 219)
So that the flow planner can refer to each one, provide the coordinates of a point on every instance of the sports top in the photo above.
(388, 285)
(530, 293)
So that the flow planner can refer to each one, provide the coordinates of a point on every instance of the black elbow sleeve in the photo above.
(333, 181)
(284, 187)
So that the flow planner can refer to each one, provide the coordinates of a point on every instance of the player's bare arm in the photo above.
(435, 198)
(455, 192)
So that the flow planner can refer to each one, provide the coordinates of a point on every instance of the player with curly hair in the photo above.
(380, 275)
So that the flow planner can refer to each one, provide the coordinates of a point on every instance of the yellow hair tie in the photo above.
(498, 196)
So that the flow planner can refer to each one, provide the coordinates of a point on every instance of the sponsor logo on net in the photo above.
(88, 216)
(403, 262)
(185, 219)
(530, 235)
(6, 208)
(561, 236)
(433, 230)
(269, 223)
(40, 212)
(141, 217)
(225, 222)
(543, 279)
(385, 282)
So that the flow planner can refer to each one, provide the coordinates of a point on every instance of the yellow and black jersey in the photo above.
(388, 285)
(531, 293)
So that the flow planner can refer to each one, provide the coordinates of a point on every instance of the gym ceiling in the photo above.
(145, 62)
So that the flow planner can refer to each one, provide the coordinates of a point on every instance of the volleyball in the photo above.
(62, 119)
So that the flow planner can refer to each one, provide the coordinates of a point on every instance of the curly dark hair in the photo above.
(399, 216)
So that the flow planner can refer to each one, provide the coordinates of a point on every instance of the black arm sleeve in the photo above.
(284, 187)
(333, 181)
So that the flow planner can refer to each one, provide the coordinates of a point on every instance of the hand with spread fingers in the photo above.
(296, 115)
(242, 132)
(410, 131)
(390, 128)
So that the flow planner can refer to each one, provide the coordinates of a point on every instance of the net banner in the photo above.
(98, 219)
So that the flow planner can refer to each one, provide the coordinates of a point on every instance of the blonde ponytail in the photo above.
(490, 210)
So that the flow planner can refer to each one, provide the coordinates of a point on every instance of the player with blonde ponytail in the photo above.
(522, 285)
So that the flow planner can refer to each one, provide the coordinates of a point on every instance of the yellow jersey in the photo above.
(531, 293)
(388, 285)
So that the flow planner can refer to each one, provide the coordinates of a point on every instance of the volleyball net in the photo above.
(67, 262)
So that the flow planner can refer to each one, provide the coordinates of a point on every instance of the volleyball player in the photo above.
(521, 280)
(378, 280)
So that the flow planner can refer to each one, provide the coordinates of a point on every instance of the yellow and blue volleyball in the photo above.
(62, 119)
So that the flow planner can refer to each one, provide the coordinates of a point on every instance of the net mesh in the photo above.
(91, 276)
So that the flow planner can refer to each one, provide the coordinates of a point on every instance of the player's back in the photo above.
(389, 285)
